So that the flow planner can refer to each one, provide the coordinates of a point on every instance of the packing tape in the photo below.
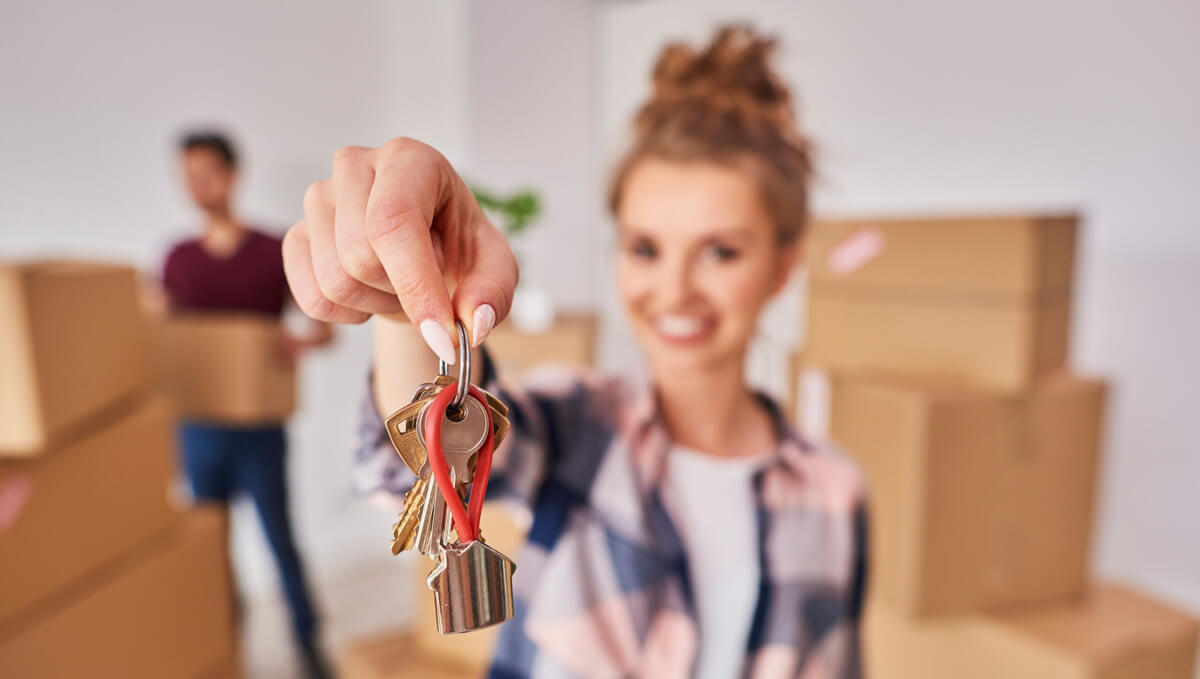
(814, 403)
(856, 250)
(15, 492)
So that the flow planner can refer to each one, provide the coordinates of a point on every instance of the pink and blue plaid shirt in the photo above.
(602, 583)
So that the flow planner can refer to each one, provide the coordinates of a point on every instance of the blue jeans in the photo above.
(220, 461)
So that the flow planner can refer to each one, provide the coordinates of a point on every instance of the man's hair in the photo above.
(216, 142)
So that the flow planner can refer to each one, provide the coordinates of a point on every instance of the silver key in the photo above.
(460, 441)
(433, 528)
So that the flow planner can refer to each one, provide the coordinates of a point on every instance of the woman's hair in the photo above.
(725, 104)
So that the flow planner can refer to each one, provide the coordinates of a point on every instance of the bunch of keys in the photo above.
(447, 437)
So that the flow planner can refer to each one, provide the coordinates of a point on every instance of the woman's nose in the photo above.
(674, 282)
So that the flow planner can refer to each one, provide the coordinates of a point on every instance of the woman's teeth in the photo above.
(679, 327)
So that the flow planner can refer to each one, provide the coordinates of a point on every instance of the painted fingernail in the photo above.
(482, 322)
(438, 340)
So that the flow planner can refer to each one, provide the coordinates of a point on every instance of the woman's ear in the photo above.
(789, 261)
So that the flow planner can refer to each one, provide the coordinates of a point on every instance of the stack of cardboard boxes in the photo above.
(944, 342)
(99, 575)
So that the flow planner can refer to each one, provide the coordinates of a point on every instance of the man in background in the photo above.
(231, 267)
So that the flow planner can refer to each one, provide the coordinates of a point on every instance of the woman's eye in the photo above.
(643, 250)
(721, 253)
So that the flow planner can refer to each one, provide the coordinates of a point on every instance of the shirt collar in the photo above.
(649, 440)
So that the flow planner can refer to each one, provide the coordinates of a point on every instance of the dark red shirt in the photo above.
(251, 279)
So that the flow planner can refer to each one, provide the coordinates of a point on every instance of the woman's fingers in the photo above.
(334, 283)
(297, 264)
(394, 230)
(353, 175)
(408, 192)
(484, 295)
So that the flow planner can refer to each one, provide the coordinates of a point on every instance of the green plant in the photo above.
(518, 210)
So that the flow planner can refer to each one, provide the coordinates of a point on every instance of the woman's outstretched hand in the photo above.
(396, 229)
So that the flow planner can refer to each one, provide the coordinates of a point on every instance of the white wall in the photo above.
(943, 106)
(92, 98)
(532, 120)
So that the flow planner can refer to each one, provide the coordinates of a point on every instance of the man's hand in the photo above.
(292, 347)
(396, 229)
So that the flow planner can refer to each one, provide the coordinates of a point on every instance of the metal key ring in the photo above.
(464, 368)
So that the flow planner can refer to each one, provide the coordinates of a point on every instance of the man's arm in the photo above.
(294, 345)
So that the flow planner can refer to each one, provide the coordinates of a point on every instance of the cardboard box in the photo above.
(976, 499)
(164, 611)
(975, 302)
(67, 514)
(229, 668)
(1112, 633)
(570, 341)
(226, 368)
(72, 346)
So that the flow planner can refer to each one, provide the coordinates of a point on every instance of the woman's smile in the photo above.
(681, 329)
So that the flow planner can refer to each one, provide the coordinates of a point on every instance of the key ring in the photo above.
(464, 368)
(466, 519)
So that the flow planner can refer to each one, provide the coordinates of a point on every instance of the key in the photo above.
(404, 532)
(460, 441)
(425, 521)
(416, 523)
(433, 526)
(406, 433)
(400, 427)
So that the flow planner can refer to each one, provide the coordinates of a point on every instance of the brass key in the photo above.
(402, 432)
(404, 532)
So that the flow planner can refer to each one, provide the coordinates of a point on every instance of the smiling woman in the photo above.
(699, 258)
(680, 526)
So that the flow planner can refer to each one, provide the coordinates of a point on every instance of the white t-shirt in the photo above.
(715, 512)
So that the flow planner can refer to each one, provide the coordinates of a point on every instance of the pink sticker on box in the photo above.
(856, 250)
(14, 495)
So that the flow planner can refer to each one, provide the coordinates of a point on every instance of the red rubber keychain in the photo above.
(466, 519)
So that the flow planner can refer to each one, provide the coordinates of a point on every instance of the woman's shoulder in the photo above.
(612, 400)
(822, 471)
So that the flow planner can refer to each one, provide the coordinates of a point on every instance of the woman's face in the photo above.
(699, 258)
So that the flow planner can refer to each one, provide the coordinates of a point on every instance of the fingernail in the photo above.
(482, 322)
(438, 340)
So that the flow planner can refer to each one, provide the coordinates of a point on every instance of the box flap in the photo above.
(997, 258)
(1111, 621)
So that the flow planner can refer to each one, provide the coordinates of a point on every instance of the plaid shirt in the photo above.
(602, 584)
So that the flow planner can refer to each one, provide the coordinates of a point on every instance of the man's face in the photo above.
(209, 179)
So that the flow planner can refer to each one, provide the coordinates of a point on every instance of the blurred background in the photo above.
(922, 107)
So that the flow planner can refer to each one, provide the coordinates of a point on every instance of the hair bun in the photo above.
(732, 74)
(723, 103)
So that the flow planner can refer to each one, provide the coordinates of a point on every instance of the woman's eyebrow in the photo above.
(741, 233)
(734, 234)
